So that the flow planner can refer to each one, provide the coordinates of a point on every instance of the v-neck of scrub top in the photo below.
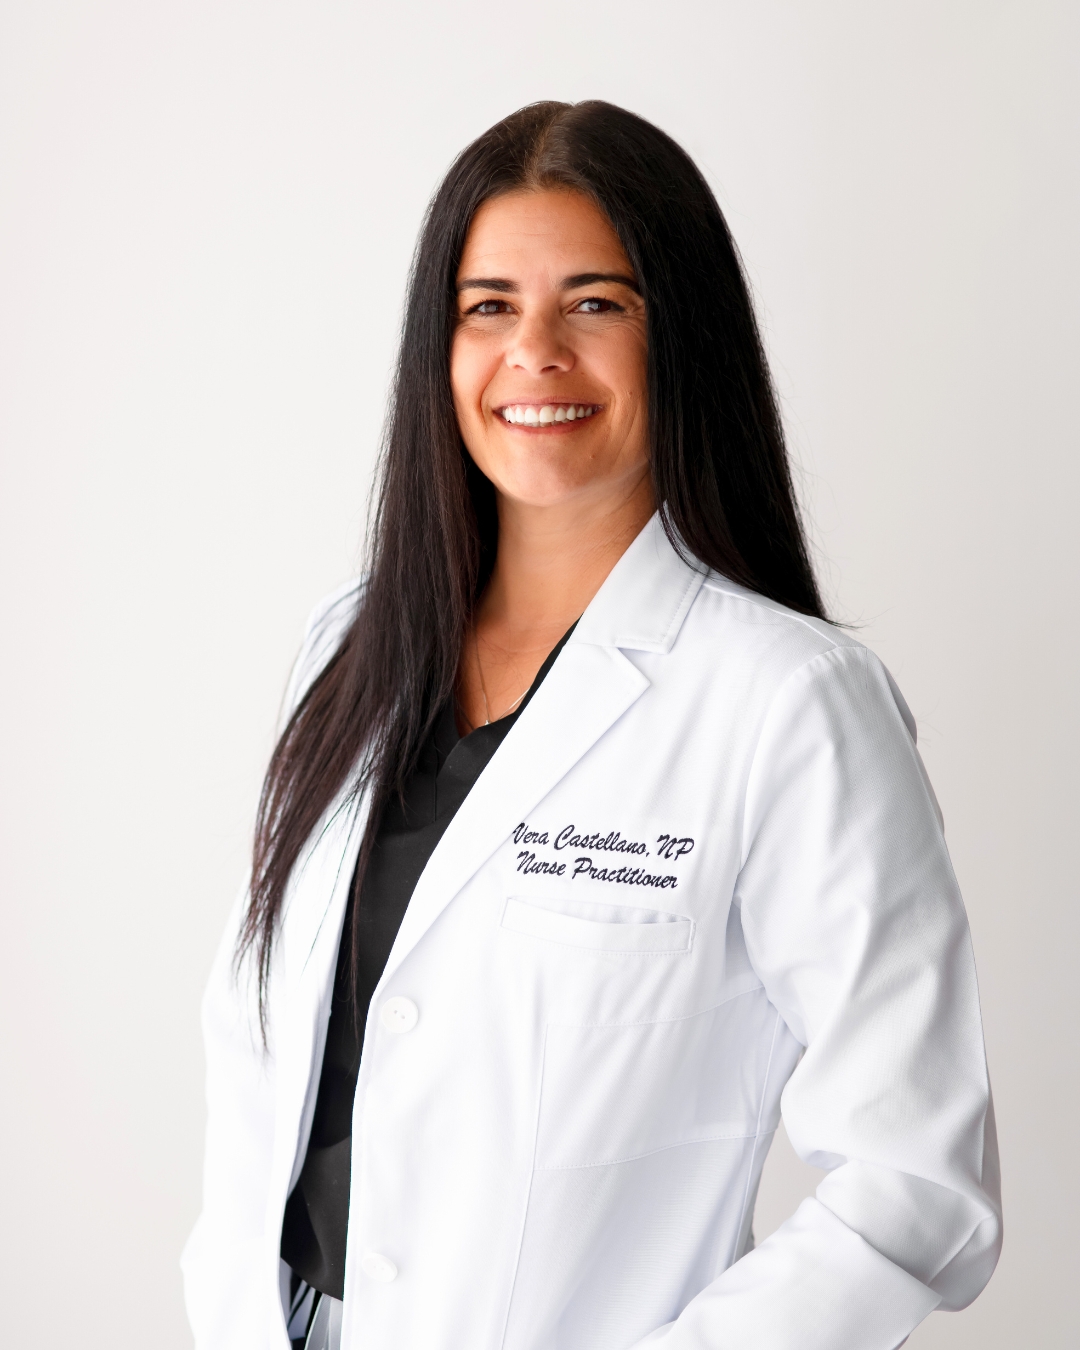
(317, 1213)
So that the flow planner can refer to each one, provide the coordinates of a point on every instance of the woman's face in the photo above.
(548, 359)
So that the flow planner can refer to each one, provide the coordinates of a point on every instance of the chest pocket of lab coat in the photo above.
(626, 1071)
(600, 928)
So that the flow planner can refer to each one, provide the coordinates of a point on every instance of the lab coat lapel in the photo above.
(640, 606)
(587, 689)
(310, 930)
(316, 906)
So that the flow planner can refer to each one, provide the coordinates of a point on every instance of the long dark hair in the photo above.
(719, 465)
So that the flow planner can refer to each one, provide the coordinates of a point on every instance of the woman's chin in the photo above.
(549, 491)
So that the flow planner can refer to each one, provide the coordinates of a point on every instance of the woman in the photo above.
(596, 838)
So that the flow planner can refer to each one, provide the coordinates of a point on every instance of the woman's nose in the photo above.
(538, 346)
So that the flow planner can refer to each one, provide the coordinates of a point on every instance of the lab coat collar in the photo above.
(646, 597)
(640, 606)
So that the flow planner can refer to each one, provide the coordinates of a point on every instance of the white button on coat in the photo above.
(378, 1267)
(399, 1015)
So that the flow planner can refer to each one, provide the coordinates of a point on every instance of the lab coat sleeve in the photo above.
(855, 925)
(225, 1262)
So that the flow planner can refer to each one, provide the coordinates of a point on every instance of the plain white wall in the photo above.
(207, 216)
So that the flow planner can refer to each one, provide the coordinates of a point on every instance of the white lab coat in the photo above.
(702, 884)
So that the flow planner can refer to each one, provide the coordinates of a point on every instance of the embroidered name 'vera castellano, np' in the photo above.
(668, 847)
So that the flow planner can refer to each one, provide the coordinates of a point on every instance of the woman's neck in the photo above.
(551, 562)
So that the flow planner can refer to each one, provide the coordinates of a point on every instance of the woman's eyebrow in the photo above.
(505, 287)
(487, 284)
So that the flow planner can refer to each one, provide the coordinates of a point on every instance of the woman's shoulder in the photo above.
(331, 617)
(759, 621)
(324, 632)
(775, 646)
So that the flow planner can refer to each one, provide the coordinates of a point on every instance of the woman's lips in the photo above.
(561, 416)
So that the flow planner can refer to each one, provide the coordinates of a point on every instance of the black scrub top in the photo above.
(317, 1212)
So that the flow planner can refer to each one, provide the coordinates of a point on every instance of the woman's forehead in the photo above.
(551, 228)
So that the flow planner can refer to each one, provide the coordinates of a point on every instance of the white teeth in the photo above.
(526, 414)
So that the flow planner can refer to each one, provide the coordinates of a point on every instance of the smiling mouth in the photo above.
(546, 414)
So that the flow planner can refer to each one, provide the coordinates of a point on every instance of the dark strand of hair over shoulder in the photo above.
(719, 466)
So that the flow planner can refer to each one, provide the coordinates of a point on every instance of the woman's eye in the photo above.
(490, 307)
(596, 305)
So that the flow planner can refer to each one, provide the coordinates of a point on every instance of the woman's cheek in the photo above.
(472, 366)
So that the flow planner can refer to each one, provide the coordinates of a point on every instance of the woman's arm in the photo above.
(224, 1261)
(229, 1262)
(854, 923)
